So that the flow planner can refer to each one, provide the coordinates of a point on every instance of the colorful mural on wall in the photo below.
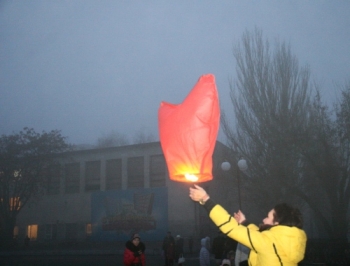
(116, 214)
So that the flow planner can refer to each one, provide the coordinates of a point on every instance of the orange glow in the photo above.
(15, 231)
(15, 204)
(188, 132)
(32, 231)
(88, 229)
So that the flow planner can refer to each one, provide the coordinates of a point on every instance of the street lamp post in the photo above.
(241, 166)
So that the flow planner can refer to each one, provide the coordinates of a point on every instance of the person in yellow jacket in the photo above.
(283, 244)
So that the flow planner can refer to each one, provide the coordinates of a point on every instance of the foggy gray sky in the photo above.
(89, 68)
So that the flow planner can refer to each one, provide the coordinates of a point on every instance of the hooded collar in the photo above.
(130, 245)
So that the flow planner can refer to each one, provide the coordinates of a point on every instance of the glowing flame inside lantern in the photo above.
(191, 178)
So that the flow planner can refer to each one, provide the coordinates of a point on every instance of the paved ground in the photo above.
(101, 260)
(81, 260)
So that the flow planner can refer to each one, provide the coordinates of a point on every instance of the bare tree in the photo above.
(342, 194)
(271, 101)
(327, 155)
(25, 159)
(141, 136)
(297, 149)
(112, 139)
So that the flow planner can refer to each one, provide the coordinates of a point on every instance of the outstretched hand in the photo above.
(239, 216)
(197, 193)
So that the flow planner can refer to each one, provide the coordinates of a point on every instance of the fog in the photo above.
(89, 68)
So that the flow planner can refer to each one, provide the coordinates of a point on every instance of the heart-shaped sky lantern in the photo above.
(188, 132)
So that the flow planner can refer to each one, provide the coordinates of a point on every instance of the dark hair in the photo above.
(264, 227)
(287, 215)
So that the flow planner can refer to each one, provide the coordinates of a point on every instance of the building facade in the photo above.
(106, 194)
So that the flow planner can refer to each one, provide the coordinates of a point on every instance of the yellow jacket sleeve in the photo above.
(229, 226)
(271, 247)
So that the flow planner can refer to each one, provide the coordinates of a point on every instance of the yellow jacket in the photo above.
(280, 245)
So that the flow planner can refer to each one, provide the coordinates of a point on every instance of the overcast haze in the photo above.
(89, 68)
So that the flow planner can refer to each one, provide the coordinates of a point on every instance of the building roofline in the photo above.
(124, 147)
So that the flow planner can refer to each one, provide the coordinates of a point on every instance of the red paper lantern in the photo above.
(188, 132)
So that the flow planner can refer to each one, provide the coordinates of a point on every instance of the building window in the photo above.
(88, 229)
(72, 178)
(32, 231)
(15, 232)
(15, 204)
(92, 175)
(114, 174)
(135, 172)
(71, 231)
(157, 171)
(50, 231)
(53, 180)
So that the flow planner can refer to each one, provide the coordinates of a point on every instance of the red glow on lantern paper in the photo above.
(188, 132)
